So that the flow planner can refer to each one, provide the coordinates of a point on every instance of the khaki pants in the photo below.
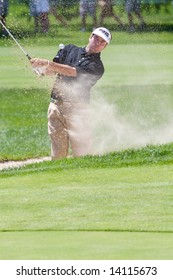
(69, 126)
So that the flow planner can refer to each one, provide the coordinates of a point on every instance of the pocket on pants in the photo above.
(55, 119)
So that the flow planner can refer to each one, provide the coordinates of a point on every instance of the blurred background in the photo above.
(31, 17)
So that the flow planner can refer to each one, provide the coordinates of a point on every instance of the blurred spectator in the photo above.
(53, 10)
(106, 7)
(34, 13)
(3, 14)
(43, 9)
(88, 7)
(39, 9)
(134, 7)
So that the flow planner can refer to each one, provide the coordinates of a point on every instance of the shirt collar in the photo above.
(84, 52)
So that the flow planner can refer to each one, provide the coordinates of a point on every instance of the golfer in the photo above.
(78, 69)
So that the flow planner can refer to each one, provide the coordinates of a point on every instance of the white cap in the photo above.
(104, 33)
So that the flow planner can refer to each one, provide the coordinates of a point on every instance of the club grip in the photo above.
(28, 56)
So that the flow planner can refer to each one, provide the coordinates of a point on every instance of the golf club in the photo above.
(20, 47)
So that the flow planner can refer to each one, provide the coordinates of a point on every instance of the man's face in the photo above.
(96, 44)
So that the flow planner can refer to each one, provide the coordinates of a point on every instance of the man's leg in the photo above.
(79, 130)
(83, 14)
(44, 22)
(58, 133)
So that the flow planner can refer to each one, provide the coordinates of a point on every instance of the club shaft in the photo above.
(27, 55)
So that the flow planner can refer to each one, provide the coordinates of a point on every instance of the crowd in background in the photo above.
(41, 9)
(132, 7)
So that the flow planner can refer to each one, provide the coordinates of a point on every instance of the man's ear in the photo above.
(91, 37)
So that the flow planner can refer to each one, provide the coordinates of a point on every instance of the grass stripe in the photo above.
(108, 199)
(86, 246)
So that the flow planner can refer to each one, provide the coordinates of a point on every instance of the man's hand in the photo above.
(39, 62)
(39, 66)
(52, 68)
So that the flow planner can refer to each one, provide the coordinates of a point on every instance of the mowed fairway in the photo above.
(103, 213)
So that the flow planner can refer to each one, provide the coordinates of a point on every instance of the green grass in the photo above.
(23, 124)
(131, 202)
(114, 205)
(139, 197)
(149, 155)
(76, 245)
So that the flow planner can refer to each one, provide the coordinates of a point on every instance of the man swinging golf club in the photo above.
(78, 69)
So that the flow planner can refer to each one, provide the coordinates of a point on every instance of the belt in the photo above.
(57, 101)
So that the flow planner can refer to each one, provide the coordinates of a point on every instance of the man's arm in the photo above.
(53, 68)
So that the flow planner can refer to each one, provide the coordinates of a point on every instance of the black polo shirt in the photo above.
(89, 69)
